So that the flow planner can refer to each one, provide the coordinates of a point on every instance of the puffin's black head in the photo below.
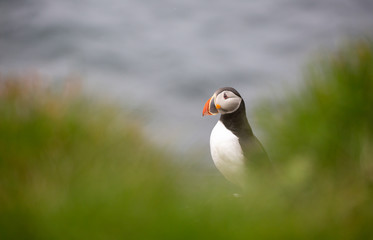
(225, 100)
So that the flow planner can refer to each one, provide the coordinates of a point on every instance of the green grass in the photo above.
(74, 167)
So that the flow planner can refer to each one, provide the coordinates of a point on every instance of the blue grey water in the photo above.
(163, 59)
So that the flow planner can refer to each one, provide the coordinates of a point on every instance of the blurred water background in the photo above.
(164, 59)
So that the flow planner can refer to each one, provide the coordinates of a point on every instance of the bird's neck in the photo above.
(237, 122)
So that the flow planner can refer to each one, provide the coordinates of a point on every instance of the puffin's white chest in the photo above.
(227, 153)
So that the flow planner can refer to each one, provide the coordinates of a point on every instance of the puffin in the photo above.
(234, 147)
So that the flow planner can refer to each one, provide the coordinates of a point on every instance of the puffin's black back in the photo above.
(237, 122)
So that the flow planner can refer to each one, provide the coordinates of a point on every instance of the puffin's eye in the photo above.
(225, 96)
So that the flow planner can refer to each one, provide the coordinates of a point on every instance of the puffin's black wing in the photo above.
(254, 153)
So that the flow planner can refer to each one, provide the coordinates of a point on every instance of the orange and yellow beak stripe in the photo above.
(210, 108)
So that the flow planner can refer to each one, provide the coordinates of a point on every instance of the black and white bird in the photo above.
(234, 148)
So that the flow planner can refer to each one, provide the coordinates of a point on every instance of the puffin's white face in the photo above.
(223, 102)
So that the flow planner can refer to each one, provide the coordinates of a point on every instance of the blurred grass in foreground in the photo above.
(72, 167)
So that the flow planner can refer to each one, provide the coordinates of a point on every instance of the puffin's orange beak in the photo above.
(206, 108)
(210, 108)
